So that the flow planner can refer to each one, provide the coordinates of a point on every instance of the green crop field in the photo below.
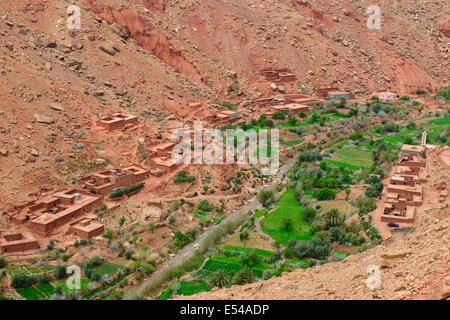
(260, 252)
(297, 263)
(109, 269)
(62, 283)
(41, 291)
(352, 157)
(287, 208)
(189, 288)
(441, 121)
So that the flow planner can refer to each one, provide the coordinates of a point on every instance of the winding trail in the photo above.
(189, 249)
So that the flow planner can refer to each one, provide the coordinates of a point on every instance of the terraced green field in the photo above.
(353, 159)
(41, 291)
(287, 208)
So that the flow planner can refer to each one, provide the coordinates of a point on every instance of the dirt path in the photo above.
(188, 250)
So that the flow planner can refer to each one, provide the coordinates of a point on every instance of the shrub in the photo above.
(44, 278)
(183, 177)
(266, 195)
(309, 214)
(324, 194)
(323, 235)
(109, 234)
(335, 234)
(292, 120)
(3, 262)
(279, 115)
(119, 192)
(22, 279)
(204, 205)
(268, 123)
(309, 156)
(60, 272)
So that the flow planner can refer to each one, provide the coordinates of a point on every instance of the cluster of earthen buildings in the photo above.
(66, 210)
(278, 75)
(106, 181)
(405, 188)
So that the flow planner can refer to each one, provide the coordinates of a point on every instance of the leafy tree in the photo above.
(309, 214)
(60, 272)
(250, 258)
(309, 156)
(3, 262)
(266, 195)
(335, 234)
(122, 221)
(287, 224)
(323, 235)
(302, 249)
(22, 279)
(324, 194)
(292, 120)
(279, 115)
(268, 123)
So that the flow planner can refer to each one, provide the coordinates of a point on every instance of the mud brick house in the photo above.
(164, 164)
(386, 96)
(338, 95)
(45, 215)
(64, 206)
(16, 242)
(405, 190)
(408, 149)
(323, 92)
(117, 121)
(106, 181)
(292, 108)
(411, 149)
(278, 75)
(86, 228)
(224, 117)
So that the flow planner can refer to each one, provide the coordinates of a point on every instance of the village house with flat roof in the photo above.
(17, 242)
(106, 181)
(405, 189)
(117, 121)
(45, 215)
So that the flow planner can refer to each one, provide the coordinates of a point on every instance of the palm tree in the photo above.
(333, 217)
(243, 236)
(220, 279)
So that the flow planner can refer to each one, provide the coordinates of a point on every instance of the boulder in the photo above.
(43, 119)
(441, 291)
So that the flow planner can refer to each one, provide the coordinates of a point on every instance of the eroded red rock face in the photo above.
(445, 28)
(148, 37)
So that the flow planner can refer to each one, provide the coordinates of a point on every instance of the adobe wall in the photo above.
(396, 219)
(17, 247)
